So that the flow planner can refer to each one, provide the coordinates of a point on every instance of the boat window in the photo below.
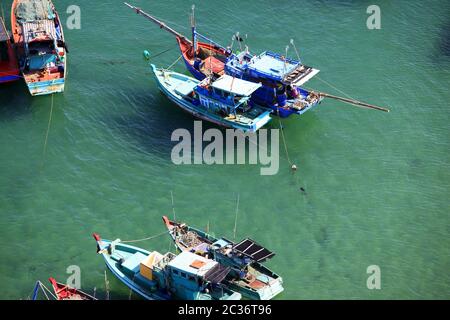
(184, 275)
(191, 278)
(174, 271)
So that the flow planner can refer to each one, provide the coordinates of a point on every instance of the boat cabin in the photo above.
(280, 76)
(227, 94)
(41, 47)
(188, 272)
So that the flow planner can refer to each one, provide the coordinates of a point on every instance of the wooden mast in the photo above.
(354, 102)
(161, 24)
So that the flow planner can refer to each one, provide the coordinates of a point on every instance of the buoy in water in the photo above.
(146, 55)
(294, 168)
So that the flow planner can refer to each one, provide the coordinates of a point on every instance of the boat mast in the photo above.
(161, 24)
(194, 38)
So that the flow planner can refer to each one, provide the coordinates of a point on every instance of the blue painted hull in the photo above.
(202, 114)
(5, 79)
(46, 87)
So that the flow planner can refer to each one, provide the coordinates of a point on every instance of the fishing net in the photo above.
(34, 10)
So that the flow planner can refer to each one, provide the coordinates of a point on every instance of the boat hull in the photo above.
(9, 69)
(41, 88)
(196, 112)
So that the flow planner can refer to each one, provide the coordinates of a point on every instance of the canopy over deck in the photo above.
(274, 66)
(253, 250)
(235, 86)
(39, 29)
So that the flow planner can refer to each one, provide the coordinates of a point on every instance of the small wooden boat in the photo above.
(247, 276)
(9, 69)
(64, 292)
(225, 101)
(154, 276)
(41, 48)
(60, 292)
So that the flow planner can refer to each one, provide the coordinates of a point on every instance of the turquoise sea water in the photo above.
(377, 184)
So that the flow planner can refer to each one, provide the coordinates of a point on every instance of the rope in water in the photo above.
(48, 127)
(162, 52)
(284, 139)
(145, 239)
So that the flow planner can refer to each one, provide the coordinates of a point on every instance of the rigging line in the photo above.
(158, 54)
(144, 239)
(332, 86)
(235, 219)
(48, 127)
(3, 16)
(174, 62)
(51, 293)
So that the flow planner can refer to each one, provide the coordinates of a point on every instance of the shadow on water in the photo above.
(441, 54)
(153, 122)
(15, 100)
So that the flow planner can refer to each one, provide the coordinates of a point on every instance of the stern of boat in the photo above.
(41, 88)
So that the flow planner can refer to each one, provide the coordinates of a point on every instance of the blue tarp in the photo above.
(39, 62)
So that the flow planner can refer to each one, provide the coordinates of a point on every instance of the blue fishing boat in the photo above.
(282, 78)
(247, 275)
(154, 276)
(225, 101)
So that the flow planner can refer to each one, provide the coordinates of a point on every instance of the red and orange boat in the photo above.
(201, 58)
(41, 49)
(64, 292)
(9, 68)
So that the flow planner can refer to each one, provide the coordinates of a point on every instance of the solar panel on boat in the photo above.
(253, 250)
(217, 274)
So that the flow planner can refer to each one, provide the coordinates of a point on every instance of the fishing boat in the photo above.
(41, 48)
(282, 78)
(64, 292)
(247, 275)
(61, 291)
(9, 69)
(154, 276)
(225, 101)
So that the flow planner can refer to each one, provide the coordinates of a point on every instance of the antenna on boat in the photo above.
(239, 40)
(173, 207)
(295, 48)
(235, 219)
(285, 59)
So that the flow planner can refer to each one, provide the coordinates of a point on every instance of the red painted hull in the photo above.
(64, 292)
(212, 58)
(9, 69)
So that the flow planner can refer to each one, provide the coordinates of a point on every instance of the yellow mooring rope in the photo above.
(48, 128)
(145, 239)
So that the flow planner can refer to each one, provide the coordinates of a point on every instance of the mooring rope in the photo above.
(145, 239)
(48, 127)
(168, 68)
